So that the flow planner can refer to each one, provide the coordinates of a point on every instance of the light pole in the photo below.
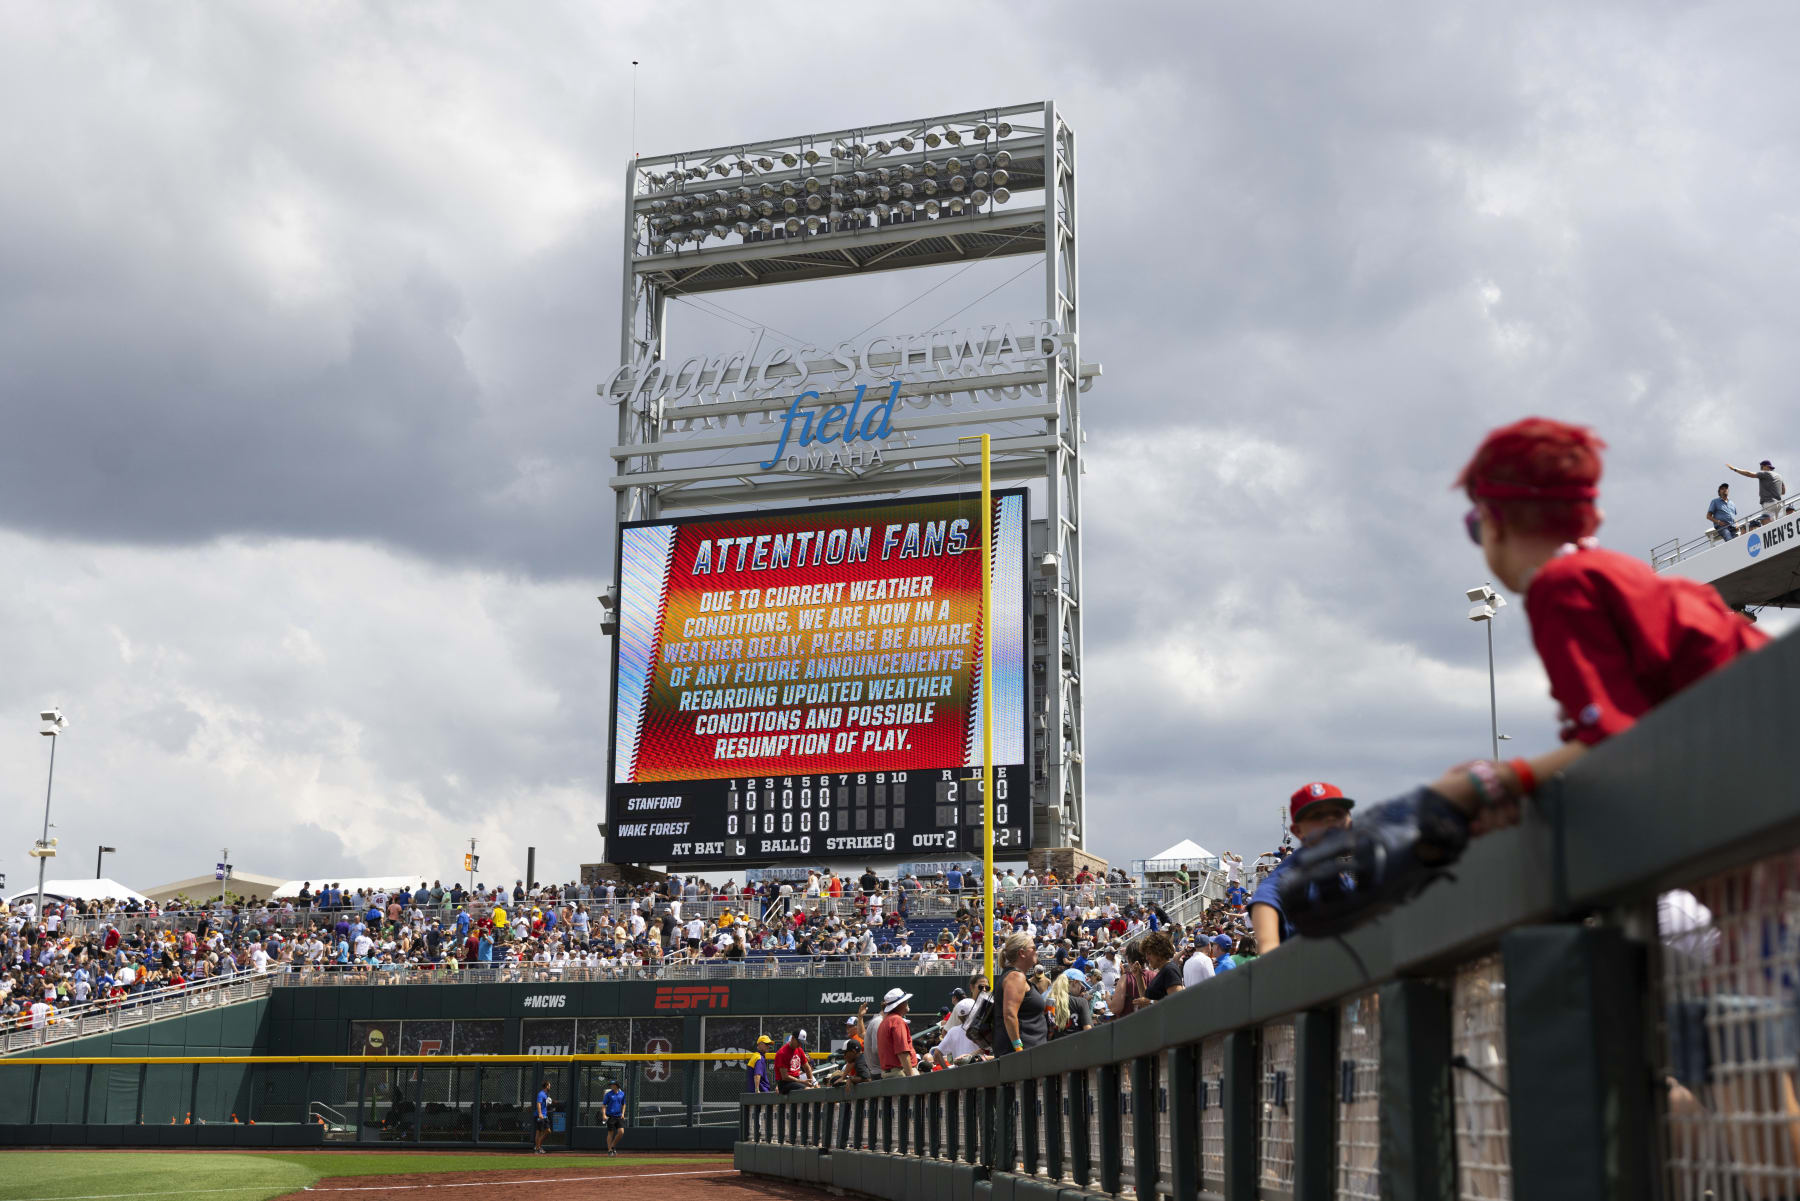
(1484, 605)
(54, 723)
(103, 853)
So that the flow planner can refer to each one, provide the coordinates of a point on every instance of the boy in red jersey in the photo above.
(1615, 638)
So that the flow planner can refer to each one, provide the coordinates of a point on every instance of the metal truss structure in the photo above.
(941, 192)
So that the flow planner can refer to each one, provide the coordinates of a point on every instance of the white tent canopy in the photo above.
(81, 890)
(1186, 851)
(352, 884)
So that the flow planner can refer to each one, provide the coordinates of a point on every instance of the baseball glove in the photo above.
(1386, 858)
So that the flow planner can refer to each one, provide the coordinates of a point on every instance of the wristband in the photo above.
(1527, 778)
(1018, 1044)
(1486, 781)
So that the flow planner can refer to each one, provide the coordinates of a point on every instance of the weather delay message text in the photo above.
(821, 645)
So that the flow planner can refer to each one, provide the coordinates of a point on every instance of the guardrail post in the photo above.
(1050, 1096)
(1184, 1121)
(1240, 1095)
(1143, 1124)
(1031, 1099)
(1315, 1116)
(1107, 1112)
(1418, 1136)
(993, 1120)
(1580, 1107)
(1081, 1112)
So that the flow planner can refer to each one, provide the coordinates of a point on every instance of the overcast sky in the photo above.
(303, 498)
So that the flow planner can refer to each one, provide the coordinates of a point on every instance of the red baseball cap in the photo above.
(1316, 793)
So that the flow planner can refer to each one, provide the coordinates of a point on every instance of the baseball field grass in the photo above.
(259, 1175)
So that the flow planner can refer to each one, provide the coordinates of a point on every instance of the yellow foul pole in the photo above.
(987, 705)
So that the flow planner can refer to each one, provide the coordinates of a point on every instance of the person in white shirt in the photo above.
(1199, 968)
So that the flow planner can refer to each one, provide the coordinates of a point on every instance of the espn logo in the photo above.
(693, 996)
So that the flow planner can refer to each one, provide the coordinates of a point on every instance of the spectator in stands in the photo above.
(1314, 810)
(1615, 638)
(1723, 515)
(1199, 965)
(894, 1036)
(1022, 1011)
(1164, 978)
(1770, 488)
(792, 1067)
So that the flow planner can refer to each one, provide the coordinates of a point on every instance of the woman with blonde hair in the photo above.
(1059, 1004)
(1023, 1019)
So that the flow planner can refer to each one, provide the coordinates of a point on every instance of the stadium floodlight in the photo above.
(904, 208)
(790, 205)
(904, 191)
(742, 229)
(883, 146)
(983, 162)
(953, 137)
(815, 202)
(659, 206)
(978, 198)
(931, 208)
(696, 172)
(1000, 176)
(882, 193)
(765, 226)
(721, 231)
(883, 212)
(813, 225)
(766, 208)
(792, 226)
(811, 156)
(929, 187)
(928, 169)
(983, 131)
(958, 183)
(906, 143)
(953, 166)
(979, 179)
(859, 215)
(955, 205)
(1004, 129)
(1001, 195)
(744, 166)
(811, 183)
(721, 169)
(933, 141)
(860, 150)
(765, 190)
(765, 164)
(789, 188)
(1484, 605)
(788, 160)
(743, 212)
(882, 175)
(1003, 159)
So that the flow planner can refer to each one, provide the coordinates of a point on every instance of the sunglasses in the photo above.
(1472, 523)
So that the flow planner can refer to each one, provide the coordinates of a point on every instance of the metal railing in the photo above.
(1602, 1004)
(1665, 554)
(355, 976)
(134, 1009)
(928, 903)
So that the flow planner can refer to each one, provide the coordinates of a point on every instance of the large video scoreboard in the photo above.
(806, 684)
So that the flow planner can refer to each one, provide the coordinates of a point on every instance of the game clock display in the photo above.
(807, 683)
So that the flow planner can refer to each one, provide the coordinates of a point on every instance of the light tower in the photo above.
(949, 190)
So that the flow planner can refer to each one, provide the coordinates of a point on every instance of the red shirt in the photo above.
(893, 1043)
(791, 1062)
(1617, 639)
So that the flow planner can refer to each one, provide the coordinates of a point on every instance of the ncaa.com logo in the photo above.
(844, 998)
(1754, 546)
(546, 1001)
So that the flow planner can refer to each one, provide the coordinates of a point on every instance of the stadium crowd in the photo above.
(82, 955)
